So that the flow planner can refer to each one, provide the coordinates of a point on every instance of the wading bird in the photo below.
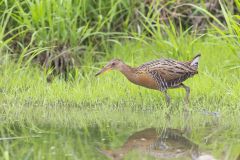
(160, 74)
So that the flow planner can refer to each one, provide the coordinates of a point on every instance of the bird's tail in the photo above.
(195, 60)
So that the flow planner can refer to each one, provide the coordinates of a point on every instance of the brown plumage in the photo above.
(159, 74)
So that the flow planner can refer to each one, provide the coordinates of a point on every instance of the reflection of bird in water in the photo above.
(160, 74)
(139, 140)
(149, 142)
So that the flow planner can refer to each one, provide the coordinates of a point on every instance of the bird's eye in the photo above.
(113, 64)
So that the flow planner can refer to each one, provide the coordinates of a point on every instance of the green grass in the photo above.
(70, 119)
(29, 28)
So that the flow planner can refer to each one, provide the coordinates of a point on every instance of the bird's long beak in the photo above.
(107, 68)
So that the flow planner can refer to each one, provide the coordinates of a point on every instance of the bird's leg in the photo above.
(187, 89)
(186, 111)
(167, 97)
(187, 128)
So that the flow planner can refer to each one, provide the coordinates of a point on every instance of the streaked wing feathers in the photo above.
(170, 70)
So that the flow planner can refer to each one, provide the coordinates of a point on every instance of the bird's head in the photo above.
(113, 64)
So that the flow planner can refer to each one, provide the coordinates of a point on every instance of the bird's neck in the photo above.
(128, 72)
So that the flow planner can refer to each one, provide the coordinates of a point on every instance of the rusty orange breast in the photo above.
(146, 81)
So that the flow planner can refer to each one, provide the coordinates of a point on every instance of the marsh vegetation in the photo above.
(53, 107)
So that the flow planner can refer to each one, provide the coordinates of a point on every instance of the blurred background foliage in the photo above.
(61, 34)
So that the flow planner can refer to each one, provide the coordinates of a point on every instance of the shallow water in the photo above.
(93, 142)
(116, 140)
(164, 143)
